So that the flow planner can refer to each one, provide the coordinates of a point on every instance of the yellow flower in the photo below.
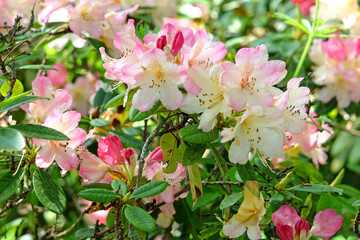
(249, 214)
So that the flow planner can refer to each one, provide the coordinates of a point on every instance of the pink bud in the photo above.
(285, 232)
(111, 151)
(155, 156)
(161, 42)
(177, 44)
(335, 48)
(128, 153)
(326, 224)
(301, 225)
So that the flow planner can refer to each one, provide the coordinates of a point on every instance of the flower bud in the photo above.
(111, 151)
(282, 184)
(302, 228)
(177, 44)
(161, 42)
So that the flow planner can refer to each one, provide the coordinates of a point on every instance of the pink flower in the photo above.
(83, 91)
(51, 8)
(111, 151)
(257, 129)
(290, 226)
(292, 103)
(93, 169)
(249, 78)
(326, 224)
(199, 50)
(86, 18)
(154, 172)
(211, 100)
(63, 152)
(58, 77)
(304, 5)
(335, 48)
(59, 100)
(158, 81)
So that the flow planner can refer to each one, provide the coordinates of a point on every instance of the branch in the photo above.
(356, 224)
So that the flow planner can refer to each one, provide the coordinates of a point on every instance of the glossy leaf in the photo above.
(193, 153)
(49, 193)
(136, 115)
(99, 122)
(230, 200)
(140, 219)
(119, 186)
(18, 88)
(192, 134)
(19, 102)
(150, 189)
(246, 172)
(10, 183)
(98, 195)
(317, 188)
(220, 161)
(39, 131)
(37, 67)
(17, 142)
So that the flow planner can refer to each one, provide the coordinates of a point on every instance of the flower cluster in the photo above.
(171, 58)
(290, 226)
(53, 113)
(337, 69)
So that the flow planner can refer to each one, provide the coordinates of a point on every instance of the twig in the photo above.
(72, 227)
(117, 235)
(144, 150)
(356, 224)
(101, 234)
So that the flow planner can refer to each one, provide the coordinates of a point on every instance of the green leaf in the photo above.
(192, 134)
(99, 122)
(97, 185)
(246, 172)
(3, 47)
(19, 102)
(119, 186)
(276, 201)
(140, 219)
(102, 96)
(173, 150)
(150, 189)
(17, 142)
(9, 183)
(49, 193)
(317, 188)
(13, 99)
(230, 200)
(289, 20)
(220, 161)
(193, 153)
(356, 203)
(18, 88)
(195, 182)
(110, 218)
(264, 167)
(98, 195)
(327, 201)
(37, 67)
(307, 171)
(96, 43)
(206, 233)
(136, 115)
(39, 131)
(84, 233)
(116, 101)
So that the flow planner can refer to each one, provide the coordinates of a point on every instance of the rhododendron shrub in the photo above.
(179, 119)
